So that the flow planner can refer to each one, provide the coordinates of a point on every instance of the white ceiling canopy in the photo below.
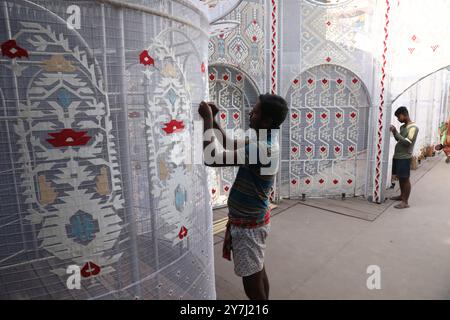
(222, 27)
(216, 9)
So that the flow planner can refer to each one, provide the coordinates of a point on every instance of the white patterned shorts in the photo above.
(248, 247)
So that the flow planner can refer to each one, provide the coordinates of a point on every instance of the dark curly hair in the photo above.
(273, 107)
(401, 110)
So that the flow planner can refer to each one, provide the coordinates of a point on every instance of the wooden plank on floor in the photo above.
(220, 213)
(357, 204)
(219, 225)
(343, 208)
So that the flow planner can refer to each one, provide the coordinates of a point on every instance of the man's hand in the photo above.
(205, 110)
(393, 129)
(214, 109)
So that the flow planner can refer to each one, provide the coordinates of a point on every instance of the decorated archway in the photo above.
(324, 141)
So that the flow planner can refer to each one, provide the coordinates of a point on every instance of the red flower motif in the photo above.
(339, 81)
(337, 149)
(213, 191)
(294, 149)
(309, 115)
(325, 81)
(355, 81)
(294, 116)
(328, 59)
(308, 149)
(223, 115)
(90, 269)
(338, 115)
(12, 50)
(307, 181)
(226, 188)
(203, 68)
(211, 77)
(183, 232)
(335, 181)
(351, 149)
(328, 23)
(349, 181)
(295, 81)
(294, 182)
(321, 181)
(324, 115)
(353, 115)
(134, 114)
(239, 78)
(236, 115)
(254, 38)
(68, 138)
(225, 77)
(323, 149)
(310, 81)
(146, 59)
(173, 126)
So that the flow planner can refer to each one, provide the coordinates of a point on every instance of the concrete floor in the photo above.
(316, 254)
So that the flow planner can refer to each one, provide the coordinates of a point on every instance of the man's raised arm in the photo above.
(225, 141)
(211, 134)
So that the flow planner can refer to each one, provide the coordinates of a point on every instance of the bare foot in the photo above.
(447, 160)
(402, 205)
(396, 198)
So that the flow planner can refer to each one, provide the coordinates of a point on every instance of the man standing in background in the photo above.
(401, 164)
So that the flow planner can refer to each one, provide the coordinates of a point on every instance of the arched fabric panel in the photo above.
(93, 123)
(324, 143)
(428, 105)
(235, 94)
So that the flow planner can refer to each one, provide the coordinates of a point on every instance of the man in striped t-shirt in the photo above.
(248, 203)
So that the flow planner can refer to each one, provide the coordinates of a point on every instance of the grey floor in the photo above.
(317, 254)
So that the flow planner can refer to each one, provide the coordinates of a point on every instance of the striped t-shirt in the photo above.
(249, 195)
